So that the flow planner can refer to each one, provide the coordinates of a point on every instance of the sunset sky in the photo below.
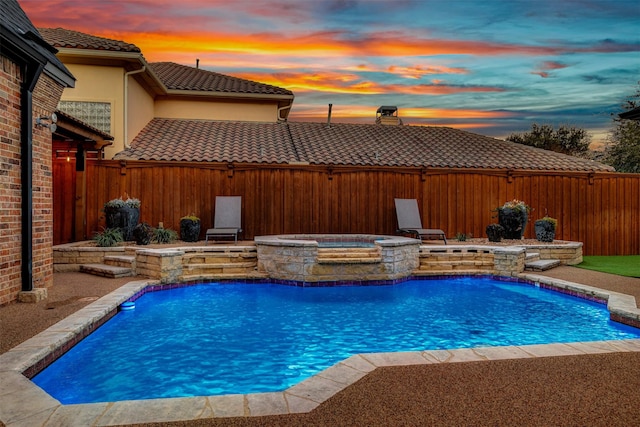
(487, 66)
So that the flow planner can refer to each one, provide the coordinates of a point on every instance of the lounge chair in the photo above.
(409, 220)
(226, 221)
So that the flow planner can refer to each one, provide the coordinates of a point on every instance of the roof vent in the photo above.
(388, 115)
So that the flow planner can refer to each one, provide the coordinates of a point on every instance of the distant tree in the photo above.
(567, 140)
(623, 150)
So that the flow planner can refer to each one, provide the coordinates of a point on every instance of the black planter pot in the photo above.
(189, 230)
(514, 222)
(545, 231)
(125, 218)
(494, 232)
(143, 233)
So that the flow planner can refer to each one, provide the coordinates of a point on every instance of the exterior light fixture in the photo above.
(47, 122)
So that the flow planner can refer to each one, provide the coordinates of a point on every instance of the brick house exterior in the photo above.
(31, 83)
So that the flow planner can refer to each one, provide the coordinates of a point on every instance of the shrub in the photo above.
(164, 235)
(121, 203)
(463, 237)
(108, 237)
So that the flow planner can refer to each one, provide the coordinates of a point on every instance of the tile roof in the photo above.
(61, 38)
(340, 144)
(182, 77)
(15, 26)
(201, 140)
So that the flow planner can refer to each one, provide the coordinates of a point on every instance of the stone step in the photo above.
(125, 261)
(104, 270)
(532, 256)
(541, 265)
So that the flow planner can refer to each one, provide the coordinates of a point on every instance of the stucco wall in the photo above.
(140, 112)
(206, 110)
(101, 84)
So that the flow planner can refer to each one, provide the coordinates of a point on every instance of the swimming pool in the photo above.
(245, 338)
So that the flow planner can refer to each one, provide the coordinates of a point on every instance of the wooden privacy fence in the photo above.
(600, 209)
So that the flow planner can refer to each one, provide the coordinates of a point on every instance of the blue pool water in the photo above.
(244, 338)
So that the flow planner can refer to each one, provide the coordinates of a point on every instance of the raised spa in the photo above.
(314, 259)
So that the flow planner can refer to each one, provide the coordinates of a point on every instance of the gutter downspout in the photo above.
(279, 118)
(126, 102)
(26, 171)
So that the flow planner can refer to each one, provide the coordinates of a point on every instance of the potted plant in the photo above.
(190, 228)
(545, 228)
(164, 235)
(513, 217)
(143, 233)
(108, 237)
(494, 232)
(123, 214)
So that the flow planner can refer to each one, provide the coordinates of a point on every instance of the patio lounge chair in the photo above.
(226, 221)
(409, 220)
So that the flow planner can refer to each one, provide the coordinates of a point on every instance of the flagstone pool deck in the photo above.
(563, 384)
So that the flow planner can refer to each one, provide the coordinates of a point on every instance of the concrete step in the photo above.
(541, 265)
(104, 270)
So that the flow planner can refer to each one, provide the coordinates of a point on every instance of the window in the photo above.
(96, 114)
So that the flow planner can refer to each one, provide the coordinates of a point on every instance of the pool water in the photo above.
(216, 339)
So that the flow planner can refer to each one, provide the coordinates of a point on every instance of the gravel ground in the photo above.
(589, 390)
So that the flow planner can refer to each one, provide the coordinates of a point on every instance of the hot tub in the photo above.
(314, 259)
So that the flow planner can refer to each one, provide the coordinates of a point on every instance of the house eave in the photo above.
(233, 95)
(129, 61)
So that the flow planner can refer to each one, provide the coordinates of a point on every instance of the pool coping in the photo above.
(24, 403)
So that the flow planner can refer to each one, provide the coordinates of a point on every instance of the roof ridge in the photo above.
(177, 76)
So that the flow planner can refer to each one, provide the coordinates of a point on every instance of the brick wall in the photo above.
(45, 99)
(10, 197)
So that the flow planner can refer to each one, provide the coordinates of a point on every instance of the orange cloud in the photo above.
(342, 112)
(444, 113)
(351, 83)
(548, 65)
(418, 71)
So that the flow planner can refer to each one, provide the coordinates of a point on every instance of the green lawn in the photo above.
(628, 265)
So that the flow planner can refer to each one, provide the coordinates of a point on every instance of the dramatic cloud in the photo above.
(491, 66)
